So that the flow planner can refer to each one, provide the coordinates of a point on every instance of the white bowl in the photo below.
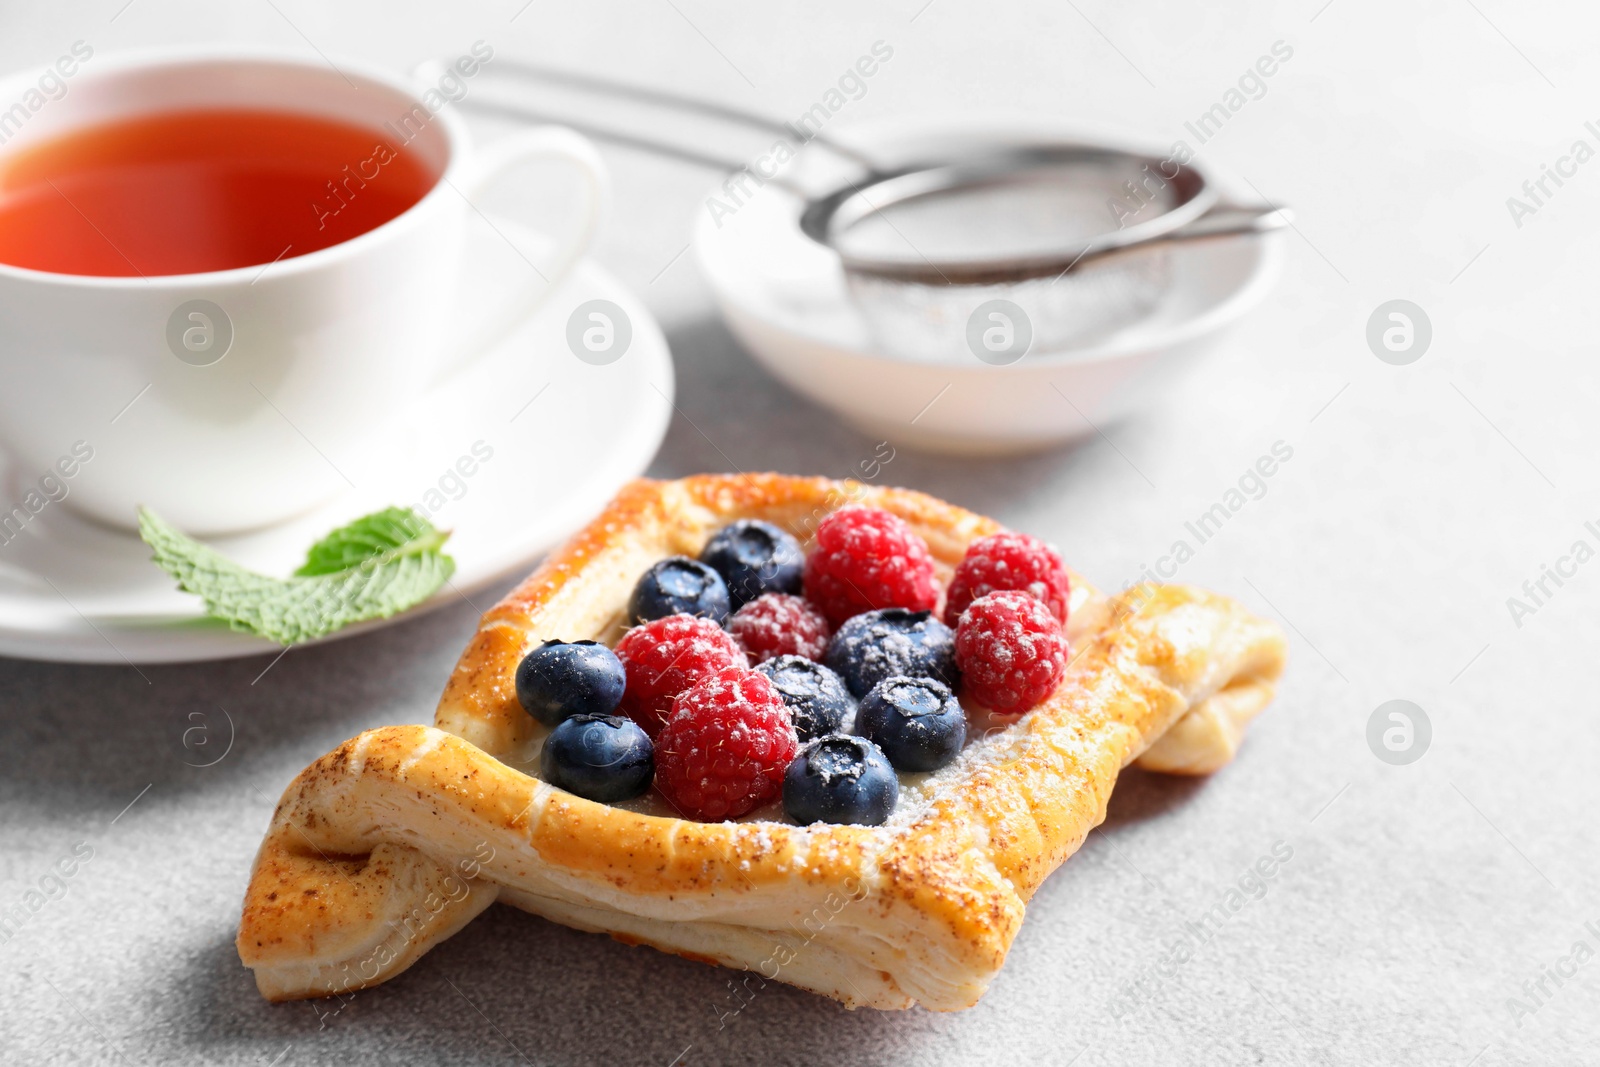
(785, 298)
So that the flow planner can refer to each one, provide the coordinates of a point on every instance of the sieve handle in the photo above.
(1222, 221)
(513, 71)
(1231, 220)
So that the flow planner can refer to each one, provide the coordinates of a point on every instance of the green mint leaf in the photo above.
(373, 568)
(395, 531)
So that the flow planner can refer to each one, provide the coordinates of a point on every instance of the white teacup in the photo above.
(316, 351)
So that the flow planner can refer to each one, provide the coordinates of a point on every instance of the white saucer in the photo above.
(785, 297)
(564, 435)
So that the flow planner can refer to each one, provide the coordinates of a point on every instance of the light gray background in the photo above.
(1418, 899)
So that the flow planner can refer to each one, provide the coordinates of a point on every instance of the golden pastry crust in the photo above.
(396, 839)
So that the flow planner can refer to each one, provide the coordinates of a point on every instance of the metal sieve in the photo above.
(970, 249)
(1065, 242)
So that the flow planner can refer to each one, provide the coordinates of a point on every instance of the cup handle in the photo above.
(490, 164)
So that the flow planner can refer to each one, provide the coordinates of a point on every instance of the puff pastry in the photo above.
(399, 837)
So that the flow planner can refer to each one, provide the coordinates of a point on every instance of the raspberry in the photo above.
(777, 624)
(1008, 561)
(726, 747)
(666, 656)
(865, 559)
(1011, 652)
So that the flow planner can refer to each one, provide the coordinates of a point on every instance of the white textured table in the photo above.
(1421, 905)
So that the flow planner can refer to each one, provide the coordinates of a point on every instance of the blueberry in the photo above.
(880, 644)
(840, 779)
(679, 585)
(754, 557)
(816, 698)
(601, 757)
(917, 722)
(562, 678)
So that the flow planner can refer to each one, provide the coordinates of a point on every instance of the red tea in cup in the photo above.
(186, 192)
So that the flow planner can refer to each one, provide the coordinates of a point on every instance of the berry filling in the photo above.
(754, 558)
(679, 585)
(917, 722)
(664, 657)
(1011, 651)
(560, 679)
(817, 699)
(726, 747)
(880, 644)
(726, 713)
(598, 757)
(1009, 560)
(840, 779)
(866, 559)
(777, 624)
